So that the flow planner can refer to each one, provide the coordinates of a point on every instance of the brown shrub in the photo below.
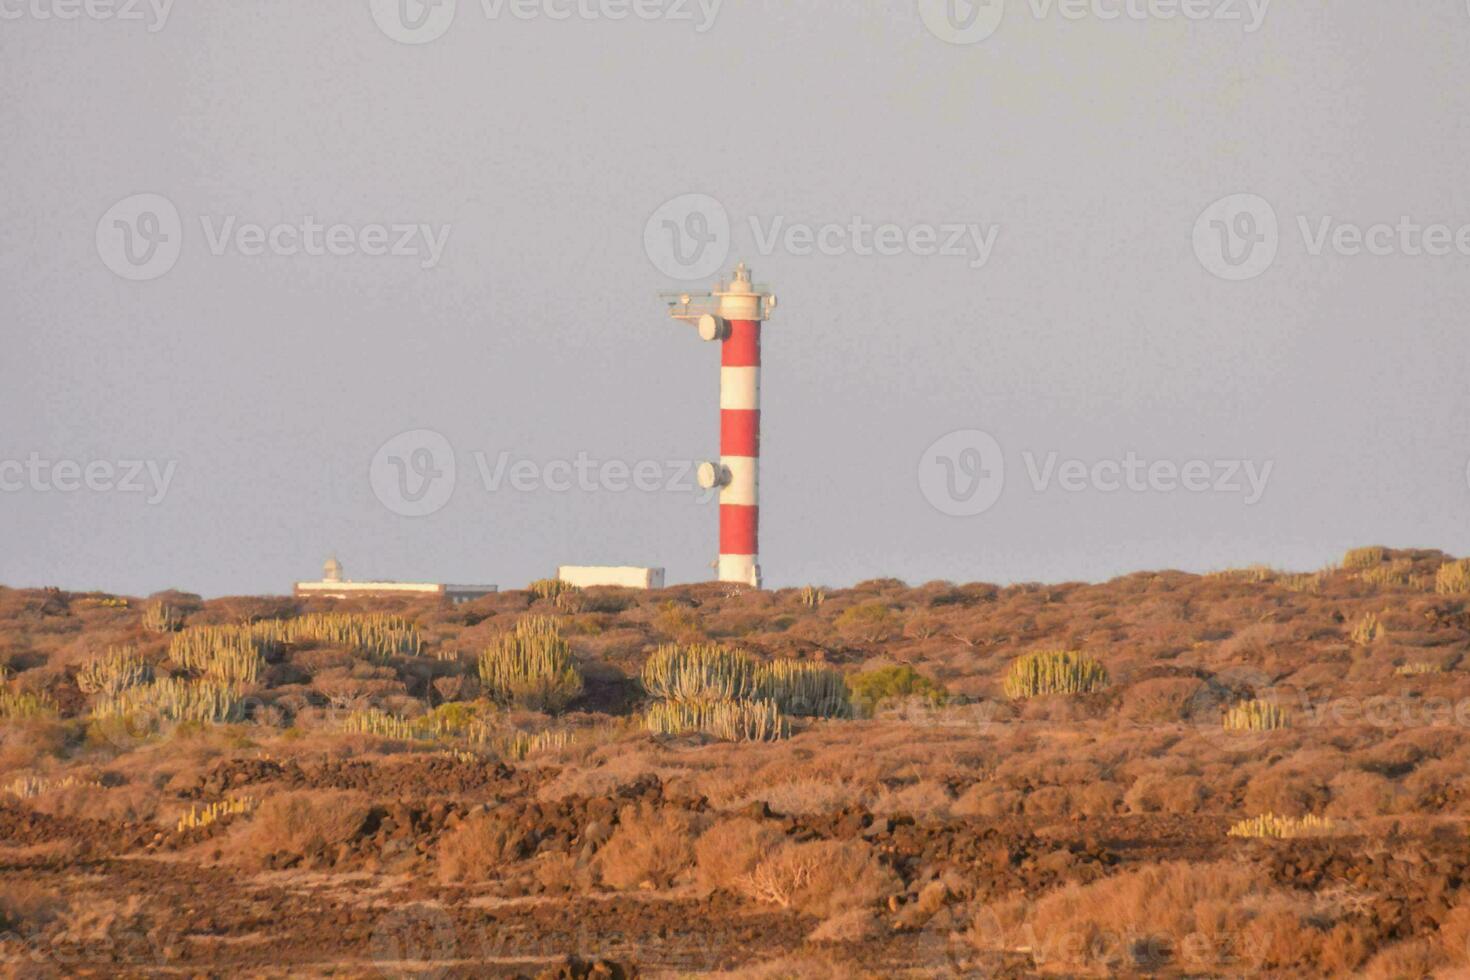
(651, 844)
(480, 846)
(1212, 916)
(852, 926)
(821, 878)
(731, 850)
(1285, 793)
(301, 822)
(1404, 961)
(1159, 700)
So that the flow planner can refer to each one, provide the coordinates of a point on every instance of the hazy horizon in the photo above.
(1084, 184)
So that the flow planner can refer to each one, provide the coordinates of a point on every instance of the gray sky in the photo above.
(1095, 328)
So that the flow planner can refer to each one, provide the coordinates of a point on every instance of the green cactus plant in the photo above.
(1256, 716)
(1054, 672)
(113, 672)
(731, 721)
(804, 689)
(531, 667)
(701, 672)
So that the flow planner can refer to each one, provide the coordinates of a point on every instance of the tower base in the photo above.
(740, 568)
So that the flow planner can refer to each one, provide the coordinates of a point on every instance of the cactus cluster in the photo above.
(160, 617)
(1270, 825)
(804, 689)
(551, 588)
(1453, 577)
(25, 705)
(172, 699)
(29, 787)
(377, 636)
(813, 597)
(1308, 582)
(531, 667)
(700, 673)
(229, 655)
(726, 693)
(1360, 558)
(1418, 668)
(373, 721)
(517, 746)
(1256, 716)
(113, 672)
(1054, 672)
(1367, 629)
(197, 816)
(732, 721)
(1398, 572)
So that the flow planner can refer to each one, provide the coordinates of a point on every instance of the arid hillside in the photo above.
(1252, 773)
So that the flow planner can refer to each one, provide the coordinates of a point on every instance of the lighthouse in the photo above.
(731, 314)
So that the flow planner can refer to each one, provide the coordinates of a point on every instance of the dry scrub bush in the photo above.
(732, 849)
(651, 844)
(1191, 916)
(1160, 700)
(299, 822)
(820, 878)
(852, 926)
(480, 846)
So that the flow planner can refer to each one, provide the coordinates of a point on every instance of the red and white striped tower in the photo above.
(732, 314)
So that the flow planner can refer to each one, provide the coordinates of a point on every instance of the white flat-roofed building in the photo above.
(624, 576)
(334, 586)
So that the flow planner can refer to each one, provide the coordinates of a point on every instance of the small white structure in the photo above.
(334, 586)
(626, 576)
